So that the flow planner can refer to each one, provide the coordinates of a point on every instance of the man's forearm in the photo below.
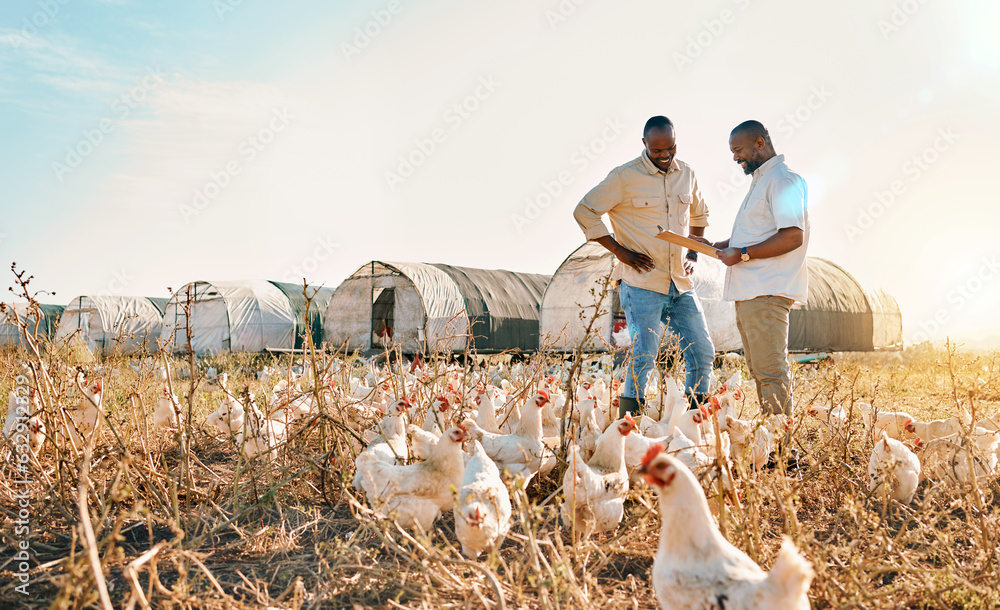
(782, 242)
(609, 243)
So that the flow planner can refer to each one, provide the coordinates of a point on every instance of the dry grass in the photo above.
(205, 528)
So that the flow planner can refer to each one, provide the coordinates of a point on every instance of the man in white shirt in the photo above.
(766, 262)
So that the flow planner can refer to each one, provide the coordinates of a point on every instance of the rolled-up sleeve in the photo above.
(599, 201)
(699, 210)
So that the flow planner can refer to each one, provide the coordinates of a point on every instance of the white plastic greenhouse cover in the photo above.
(429, 308)
(126, 324)
(447, 324)
(248, 316)
(569, 293)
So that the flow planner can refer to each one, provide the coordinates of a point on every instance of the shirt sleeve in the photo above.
(788, 203)
(699, 210)
(599, 201)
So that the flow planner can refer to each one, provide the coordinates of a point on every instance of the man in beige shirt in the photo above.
(655, 290)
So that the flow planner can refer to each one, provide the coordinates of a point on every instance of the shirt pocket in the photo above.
(680, 212)
(649, 212)
(759, 218)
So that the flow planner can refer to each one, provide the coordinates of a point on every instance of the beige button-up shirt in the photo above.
(638, 197)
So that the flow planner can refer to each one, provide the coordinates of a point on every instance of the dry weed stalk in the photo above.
(182, 519)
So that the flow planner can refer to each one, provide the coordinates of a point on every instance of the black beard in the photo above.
(752, 165)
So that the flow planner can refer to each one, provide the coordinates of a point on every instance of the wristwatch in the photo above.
(744, 255)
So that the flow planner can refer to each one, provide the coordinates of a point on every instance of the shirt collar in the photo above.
(647, 164)
(768, 165)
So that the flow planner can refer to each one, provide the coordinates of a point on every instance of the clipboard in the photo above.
(690, 244)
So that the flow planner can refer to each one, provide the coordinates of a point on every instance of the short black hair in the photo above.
(656, 122)
(754, 129)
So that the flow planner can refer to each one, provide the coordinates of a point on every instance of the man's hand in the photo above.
(700, 238)
(730, 256)
(689, 265)
(636, 260)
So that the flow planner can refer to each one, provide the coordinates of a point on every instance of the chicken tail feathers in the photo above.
(792, 573)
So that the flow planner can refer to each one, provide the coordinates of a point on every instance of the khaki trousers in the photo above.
(763, 325)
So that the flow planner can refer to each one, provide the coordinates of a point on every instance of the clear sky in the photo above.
(146, 144)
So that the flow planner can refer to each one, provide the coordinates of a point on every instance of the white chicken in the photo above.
(166, 410)
(482, 512)
(936, 428)
(897, 424)
(228, 418)
(588, 431)
(388, 439)
(435, 417)
(595, 491)
(84, 417)
(893, 465)
(522, 453)
(486, 412)
(259, 435)
(832, 420)
(415, 494)
(17, 408)
(695, 567)
(947, 458)
(751, 444)
(36, 434)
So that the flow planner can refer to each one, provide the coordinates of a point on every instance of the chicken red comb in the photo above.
(406, 401)
(651, 454)
(99, 385)
(545, 395)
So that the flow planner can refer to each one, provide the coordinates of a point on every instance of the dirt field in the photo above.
(182, 519)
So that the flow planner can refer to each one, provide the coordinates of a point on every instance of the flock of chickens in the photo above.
(908, 450)
(465, 439)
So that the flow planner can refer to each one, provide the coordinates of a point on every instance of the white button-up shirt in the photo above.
(777, 200)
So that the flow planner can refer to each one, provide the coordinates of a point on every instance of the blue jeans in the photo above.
(647, 312)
